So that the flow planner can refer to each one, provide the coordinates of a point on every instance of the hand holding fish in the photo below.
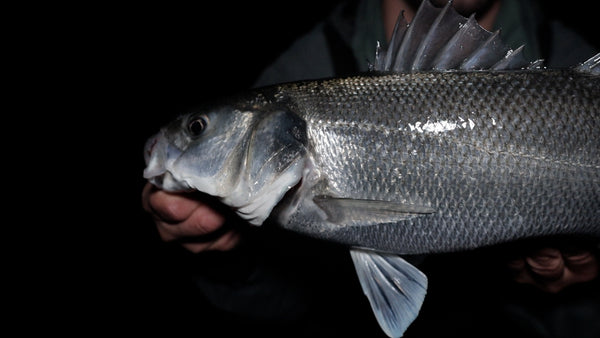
(188, 220)
(551, 269)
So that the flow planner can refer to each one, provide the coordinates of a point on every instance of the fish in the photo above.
(452, 141)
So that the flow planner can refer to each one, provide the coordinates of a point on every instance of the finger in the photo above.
(171, 207)
(546, 264)
(148, 189)
(224, 243)
(577, 268)
(202, 221)
(581, 267)
(521, 273)
(579, 258)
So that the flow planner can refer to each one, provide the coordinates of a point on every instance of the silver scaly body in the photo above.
(499, 156)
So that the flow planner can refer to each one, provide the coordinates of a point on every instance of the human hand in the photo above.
(551, 269)
(187, 219)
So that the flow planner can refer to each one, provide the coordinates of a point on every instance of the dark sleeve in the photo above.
(307, 58)
(279, 276)
(251, 284)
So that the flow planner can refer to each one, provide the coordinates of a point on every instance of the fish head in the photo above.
(196, 151)
(247, 157)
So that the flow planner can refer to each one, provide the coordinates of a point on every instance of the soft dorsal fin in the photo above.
(440, 39)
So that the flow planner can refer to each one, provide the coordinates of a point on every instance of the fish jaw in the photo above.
(159, 155)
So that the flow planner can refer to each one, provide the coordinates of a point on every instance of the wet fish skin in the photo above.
(498, 155)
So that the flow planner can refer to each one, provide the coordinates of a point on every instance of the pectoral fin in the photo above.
(395, 289)
(347, 211)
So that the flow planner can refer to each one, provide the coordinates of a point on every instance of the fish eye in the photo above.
(197, 125)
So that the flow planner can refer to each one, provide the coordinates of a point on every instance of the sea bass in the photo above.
(452, 142)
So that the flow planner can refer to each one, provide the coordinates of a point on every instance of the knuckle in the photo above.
(172, 212)
(169, 208)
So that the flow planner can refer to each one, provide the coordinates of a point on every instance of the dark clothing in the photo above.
(344, 43)
(300, 287)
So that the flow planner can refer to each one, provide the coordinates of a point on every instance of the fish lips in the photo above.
(159, 155)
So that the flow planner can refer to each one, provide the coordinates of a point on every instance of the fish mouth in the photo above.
(152, 157)
(166, 181)
(159, 155)
(149, 148)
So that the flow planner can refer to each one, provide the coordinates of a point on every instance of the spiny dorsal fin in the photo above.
(487, 54)
(440, 39)
(512, 60)
(384, 58)
(438, 36)
(415, 35)
(591, 66)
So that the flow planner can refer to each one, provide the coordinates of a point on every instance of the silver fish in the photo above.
(453, 142)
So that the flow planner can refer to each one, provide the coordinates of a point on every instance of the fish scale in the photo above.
(508, 157)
